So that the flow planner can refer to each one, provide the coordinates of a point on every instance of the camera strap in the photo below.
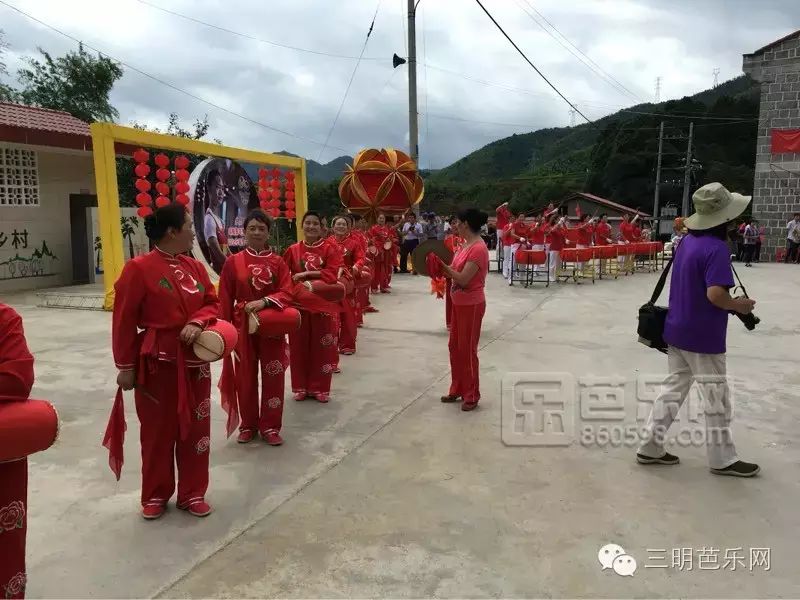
(741, 285)
(662, 280)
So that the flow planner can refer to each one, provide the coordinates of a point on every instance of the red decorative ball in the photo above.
(275, 183)
(143, 199)
(275, 212)
(276, 172)
(144, 211)
(276, 194)
(274, 203)
(262, 173)
(163, 174)
(182, 175)
(162, 188)
(182, 187)
(142, 185)
(263, 195)
(142, 170)
(290, 204)
(141, 155)
(162, 201)
(290, 175)
(290, 214)
(290, 184)
(289, 195)
(182, 198)
(181, 162)
(162, 160)
(264, 206)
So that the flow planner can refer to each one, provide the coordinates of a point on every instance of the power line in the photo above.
(596, 69)
(252, 37)
(488, 14)
(350, 83)
(166, 83)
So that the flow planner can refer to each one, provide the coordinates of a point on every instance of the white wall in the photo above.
(60, 174)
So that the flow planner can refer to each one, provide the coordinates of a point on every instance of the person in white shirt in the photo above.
(213, 228)
(792, 239)
(412, 233)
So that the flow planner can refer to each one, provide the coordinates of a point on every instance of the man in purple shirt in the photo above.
(695, 330)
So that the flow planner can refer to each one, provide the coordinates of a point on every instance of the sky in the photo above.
(473, 86)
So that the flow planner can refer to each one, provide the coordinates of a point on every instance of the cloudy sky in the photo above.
(473, 87)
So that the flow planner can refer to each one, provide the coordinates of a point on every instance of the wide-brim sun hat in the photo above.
(715, 205)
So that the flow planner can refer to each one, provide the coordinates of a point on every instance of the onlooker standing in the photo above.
(792, 238)
(695, 330)
(430, 229)
(750, 241)
(412, 233)
(760, 242)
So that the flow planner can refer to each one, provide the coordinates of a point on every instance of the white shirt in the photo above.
(791, 226)
(210, 225)
(410, 234)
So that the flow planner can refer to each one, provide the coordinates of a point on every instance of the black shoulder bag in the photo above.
(652, 317)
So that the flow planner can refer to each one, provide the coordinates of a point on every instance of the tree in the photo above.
(7, 94)
(129, 225)
(78, 83)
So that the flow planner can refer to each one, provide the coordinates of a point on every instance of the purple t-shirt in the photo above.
(693, 323)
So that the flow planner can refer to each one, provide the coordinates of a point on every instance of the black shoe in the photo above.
(667, 459)
(449, 398)
(739, 469)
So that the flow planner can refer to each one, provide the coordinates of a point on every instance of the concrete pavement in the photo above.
(387, 492)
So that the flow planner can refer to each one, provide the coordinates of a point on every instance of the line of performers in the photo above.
(165, 303)
(552, 232)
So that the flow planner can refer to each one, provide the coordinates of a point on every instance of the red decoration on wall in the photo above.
(290, 214)
(141, 155)
(276, 172)
(276, 194)
(262, 195)
(290, 175)
(182, 187)
(181, 162)
(290, 205)
(144, 211)
(162, 201)
(142, 170)
(275, 213)
(162, 174)
(785, 141)
(290, 184)
(289, 195)
(182, 198)
(182, 175)
(142, 185)
(143, 199)
(161, 160)
(162, 188)
(262, 173)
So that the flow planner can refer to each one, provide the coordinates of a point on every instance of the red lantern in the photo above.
(289, 195)
(276, 172)
(290, 175)
(262, 195)
(144, 211)
(162, 160)
(290, 214)
(141, 155)
(290, 205)
(264, 206)
(181, 162)
(163, 174)
(162, 188)
(274, 183)
(182, 198)
(276, 194)
(262, 173)
(143, 199)
(142, 170)
(142, 185)
(290, 184)
(162, 201)
(182, 187)
(182, 175)
(275, 212)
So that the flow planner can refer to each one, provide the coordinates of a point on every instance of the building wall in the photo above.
(777, 183)
(40, 254)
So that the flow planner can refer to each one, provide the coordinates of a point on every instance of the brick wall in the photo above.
(776, 189)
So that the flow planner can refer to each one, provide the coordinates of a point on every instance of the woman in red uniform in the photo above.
(252, 280)
(380, 236)
(313, 354)
(468, 274)
(556, 237)
(16, 380)
(353, 256)
(170, 298)
(452, 242)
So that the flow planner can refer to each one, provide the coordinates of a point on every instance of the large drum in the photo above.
(26, 427)
(332, 292)
(271, 322)
(216, 341)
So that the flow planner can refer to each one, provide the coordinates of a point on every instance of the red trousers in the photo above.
(313, 354)
(448, 304)
(348, 325)
(157, 407)
(383, 272)
(13, 527)
(270, 355)
(465, 333)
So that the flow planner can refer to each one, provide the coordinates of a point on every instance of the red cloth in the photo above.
(16, 380)
(477, 253)
(246, 277)
(114, 439)
(162, 445)
(785, 141)
(465, 333)
(313, 354)
(503, 216)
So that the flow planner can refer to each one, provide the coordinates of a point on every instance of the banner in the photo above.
(785, 141)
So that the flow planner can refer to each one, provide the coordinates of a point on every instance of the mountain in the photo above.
(330, 171)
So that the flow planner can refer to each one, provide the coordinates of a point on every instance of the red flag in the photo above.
(785, 141)
(114, 439)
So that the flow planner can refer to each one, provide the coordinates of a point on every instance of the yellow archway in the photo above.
(105, 135)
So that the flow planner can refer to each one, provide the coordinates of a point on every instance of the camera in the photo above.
(750, 320)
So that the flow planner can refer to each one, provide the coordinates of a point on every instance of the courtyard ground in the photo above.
(387, 492)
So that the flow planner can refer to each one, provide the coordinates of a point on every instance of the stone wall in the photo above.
(776, 189)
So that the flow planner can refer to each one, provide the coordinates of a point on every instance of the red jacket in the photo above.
(353, 252)
(584, 234)
(602, 233)
(503, 217)
(557, 236)
(16, 362)
(536, 234)
(324, 256)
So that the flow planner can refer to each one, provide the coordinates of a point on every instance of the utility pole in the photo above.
(716, 76)
(413, 124)
(658, 89)
(572, 117)
(656, 215)
(687, 178)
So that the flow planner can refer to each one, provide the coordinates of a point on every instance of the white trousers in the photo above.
(709, 372)
(538, 247)
(508, 256)
(581, 264)
(555, 262)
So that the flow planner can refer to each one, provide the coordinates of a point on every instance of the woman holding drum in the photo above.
(255, 292)
(169, 298)
(381, 241)
(313, 352)
(353, 256)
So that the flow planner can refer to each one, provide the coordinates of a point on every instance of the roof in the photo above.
(775, 43)
(43, 127)
(607, 203)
